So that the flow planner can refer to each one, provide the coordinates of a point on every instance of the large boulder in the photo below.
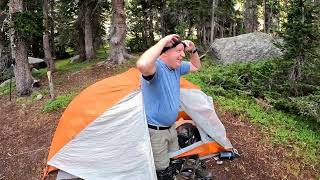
(245, 47)
(75, 59)
(36, 63)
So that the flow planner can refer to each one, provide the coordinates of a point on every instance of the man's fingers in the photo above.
(187, 42)
(175, 37)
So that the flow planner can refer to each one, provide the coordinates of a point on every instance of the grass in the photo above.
(283, 128)
(64, 65)
(27, 100)
(59, 103)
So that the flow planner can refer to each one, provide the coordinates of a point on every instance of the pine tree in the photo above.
(301, 37)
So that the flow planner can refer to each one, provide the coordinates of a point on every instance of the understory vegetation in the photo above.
(261, 92)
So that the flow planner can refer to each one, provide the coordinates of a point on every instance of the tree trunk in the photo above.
(2, 42)
(250, 16)
(118, 32)
(264, 15)
(276, 22)
(189, 35)
(164, 28)
(213, 22)
(285, 2)
(80, 29)
(204, 34)
(199, 31)
(300, 59)
(46, 43)
(150, 29)
(222, 30)
(19, 54)
(2, 33)
(230, 29)
(267, 16)
(51, 24)
(88, 37)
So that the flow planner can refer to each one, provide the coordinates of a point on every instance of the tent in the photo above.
(103, 133)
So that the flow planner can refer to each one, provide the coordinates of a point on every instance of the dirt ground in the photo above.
(26, 133)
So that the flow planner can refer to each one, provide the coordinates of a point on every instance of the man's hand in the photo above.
(194, 59)
(169, 40)
(190, 45)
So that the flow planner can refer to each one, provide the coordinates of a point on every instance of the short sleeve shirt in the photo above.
(161, 94)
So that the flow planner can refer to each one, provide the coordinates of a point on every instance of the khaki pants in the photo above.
(163, 142)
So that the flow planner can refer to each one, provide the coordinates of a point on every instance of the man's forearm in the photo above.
(146, 62)
(195, 60)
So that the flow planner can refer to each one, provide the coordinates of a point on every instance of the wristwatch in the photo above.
(194, 50)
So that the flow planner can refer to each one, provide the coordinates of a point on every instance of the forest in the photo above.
(261, 66)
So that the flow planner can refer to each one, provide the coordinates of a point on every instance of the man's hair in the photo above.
(176, 43)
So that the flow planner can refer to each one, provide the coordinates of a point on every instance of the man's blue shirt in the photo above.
(161, 94)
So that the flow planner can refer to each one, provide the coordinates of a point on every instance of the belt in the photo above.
(158, 127)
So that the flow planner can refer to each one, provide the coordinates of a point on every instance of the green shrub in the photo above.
(137, 44)
(235, 88)
(266, 80)
(39, 73)
(60, 102)
(307, 106)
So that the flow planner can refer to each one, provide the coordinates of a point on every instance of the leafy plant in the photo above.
(60, 102)
(237, 87)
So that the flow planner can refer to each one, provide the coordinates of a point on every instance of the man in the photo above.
(161, 67)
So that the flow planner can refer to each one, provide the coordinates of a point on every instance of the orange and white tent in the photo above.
(103, 133)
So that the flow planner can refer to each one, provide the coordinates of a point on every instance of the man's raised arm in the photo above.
(146, 62)
(195, 63)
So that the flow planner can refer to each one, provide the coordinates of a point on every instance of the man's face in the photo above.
(175, 56)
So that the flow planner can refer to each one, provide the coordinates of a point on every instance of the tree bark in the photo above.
(118, 32)
(51, 88)
(264, 14)
(80, 29)
(250, 16)
(2, 41)
(164, 28)
(204, 35)
(213, 22)
(19, 54)
(90, 54)
(222, 29)
(189, 35)
(51, 24)
(46, 42)
(267, 16)
(230, 29)
(275, 21)
(150, 29)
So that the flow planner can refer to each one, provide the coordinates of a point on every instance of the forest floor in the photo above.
(26, 133)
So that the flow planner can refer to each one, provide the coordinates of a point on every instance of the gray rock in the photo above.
(33, 60)
(245, 47)
(39, 96)
(36, 63)
(7, 82)
(75, 59)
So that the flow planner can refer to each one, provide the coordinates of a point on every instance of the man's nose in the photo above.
(183, 54)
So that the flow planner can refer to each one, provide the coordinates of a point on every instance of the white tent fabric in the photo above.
(114, 146)
(63, 176)
(200, 108)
